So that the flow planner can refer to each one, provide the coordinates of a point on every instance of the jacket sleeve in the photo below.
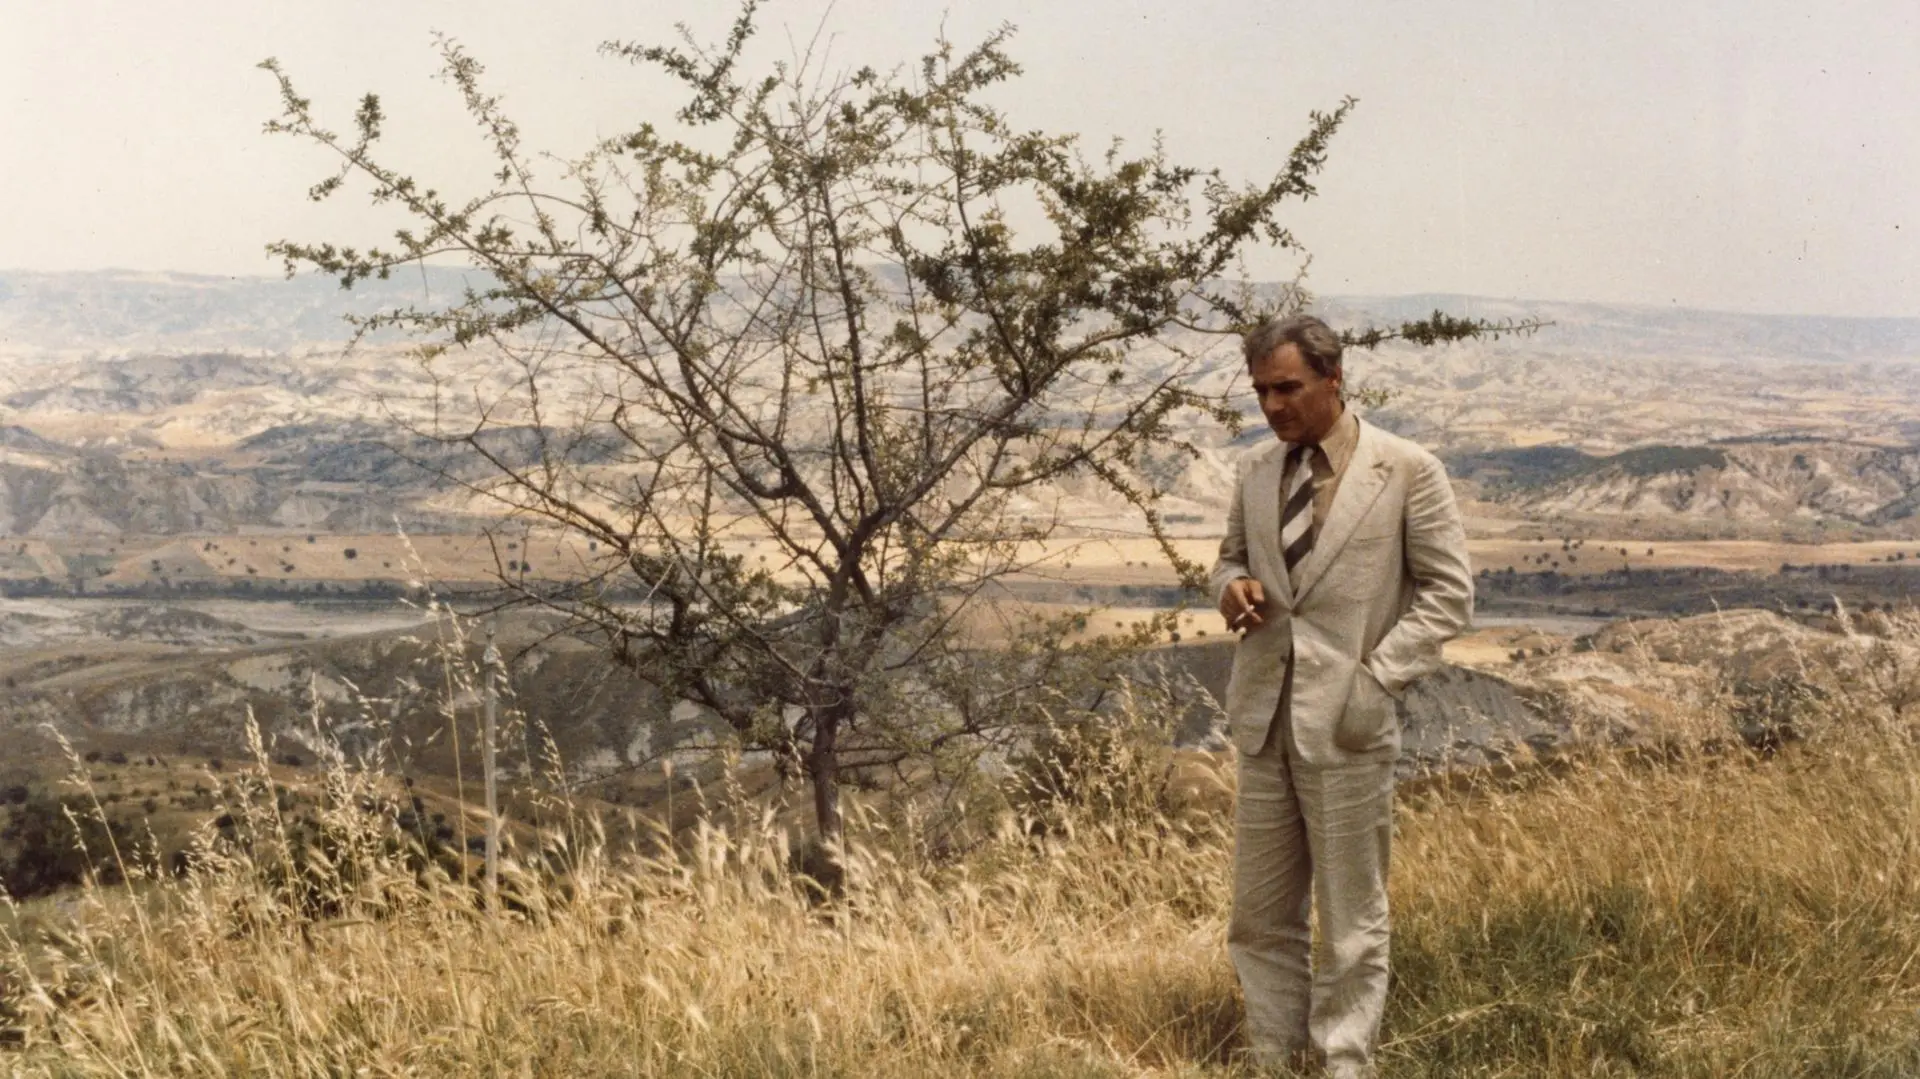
(1231, 563)
(1436, 561)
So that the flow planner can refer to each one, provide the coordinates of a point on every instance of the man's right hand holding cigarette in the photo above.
(1240, 604)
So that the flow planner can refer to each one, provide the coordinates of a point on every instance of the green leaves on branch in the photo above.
(1439, 328)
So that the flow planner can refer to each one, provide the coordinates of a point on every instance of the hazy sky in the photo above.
(1747, 154)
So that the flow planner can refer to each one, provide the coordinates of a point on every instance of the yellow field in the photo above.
(1524, 437)
(1600, 555)
(1096, 560)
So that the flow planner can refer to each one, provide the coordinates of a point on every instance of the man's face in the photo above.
(1299, 405)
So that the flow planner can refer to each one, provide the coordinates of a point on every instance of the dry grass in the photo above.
(1713, 915)
(1078, 954)
(1696, 914)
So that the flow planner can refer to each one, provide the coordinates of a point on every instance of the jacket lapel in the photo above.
(1263, 509)
(1360, 485)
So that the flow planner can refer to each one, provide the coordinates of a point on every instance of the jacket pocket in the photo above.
(1371, 719)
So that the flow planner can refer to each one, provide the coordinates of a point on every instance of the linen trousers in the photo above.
(1311, 839)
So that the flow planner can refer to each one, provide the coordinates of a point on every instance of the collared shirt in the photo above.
(1328, 465)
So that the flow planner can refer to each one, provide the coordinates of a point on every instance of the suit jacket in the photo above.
(1386, 584)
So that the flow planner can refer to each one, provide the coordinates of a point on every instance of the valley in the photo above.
(209, 509)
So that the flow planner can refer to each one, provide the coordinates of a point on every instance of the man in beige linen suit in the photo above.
(1345, 568)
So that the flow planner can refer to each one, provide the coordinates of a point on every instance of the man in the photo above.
(1345, 569)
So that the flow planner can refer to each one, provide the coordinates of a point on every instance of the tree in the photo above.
(860, 319)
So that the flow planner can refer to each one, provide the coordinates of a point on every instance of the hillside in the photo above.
(1737, 480)
(159, 403)
(148, 679)
(1592, 872)
(194, 678)
(1694, 910)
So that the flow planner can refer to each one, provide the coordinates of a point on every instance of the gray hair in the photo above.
(1317, 342)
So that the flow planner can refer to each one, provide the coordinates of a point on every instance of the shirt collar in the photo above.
(1340, 441)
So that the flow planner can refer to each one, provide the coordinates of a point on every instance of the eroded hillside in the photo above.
(170, 404)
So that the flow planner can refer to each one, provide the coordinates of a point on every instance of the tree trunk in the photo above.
(826, 863)
(823, 770)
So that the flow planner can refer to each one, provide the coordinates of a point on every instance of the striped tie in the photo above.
(1296, 508)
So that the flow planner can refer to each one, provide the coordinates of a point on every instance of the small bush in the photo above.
(57, 843)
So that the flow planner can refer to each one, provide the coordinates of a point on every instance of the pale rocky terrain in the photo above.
(1759, 481)
(184, 689)
(168, 432)
(177, 686)
(1778, 486)
(23, 627)
(162, 403)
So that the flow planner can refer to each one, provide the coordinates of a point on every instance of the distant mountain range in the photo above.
(1670, 333)
(121, 312)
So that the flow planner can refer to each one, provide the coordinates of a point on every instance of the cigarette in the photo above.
(1237, 619)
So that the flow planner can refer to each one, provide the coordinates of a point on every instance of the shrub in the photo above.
(57, 842)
